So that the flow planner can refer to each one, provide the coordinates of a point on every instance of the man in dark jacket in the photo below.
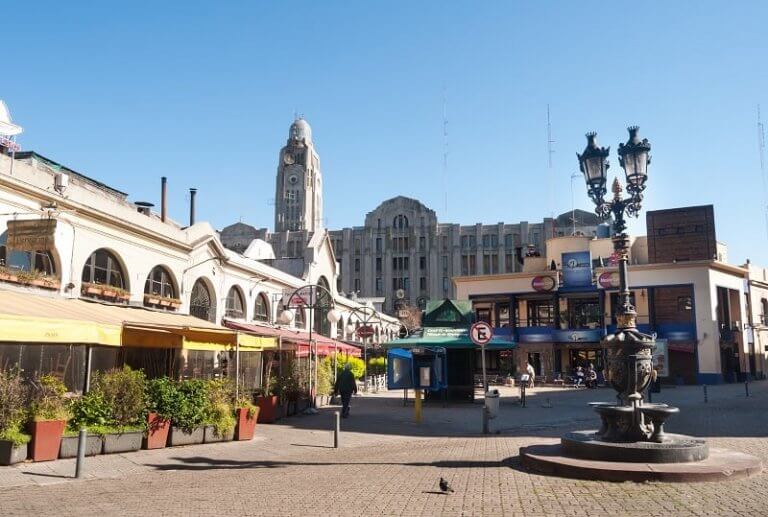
(345, 386)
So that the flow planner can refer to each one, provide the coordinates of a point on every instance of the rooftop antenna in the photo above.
(550, 152)
(445, 151)
(764, 177)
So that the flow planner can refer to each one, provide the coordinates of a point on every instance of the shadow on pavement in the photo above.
(206, 463)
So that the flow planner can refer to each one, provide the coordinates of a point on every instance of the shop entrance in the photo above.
(534, 359)
(584, 357)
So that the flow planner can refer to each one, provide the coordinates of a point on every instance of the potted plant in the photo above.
(90, 411)
(246, 414)
(49, 414)
(13, 403)
(123, 390)
(152, 299)
(161, 403)
(219, 418)
(267, 398)
(92, 289)
(189, 413)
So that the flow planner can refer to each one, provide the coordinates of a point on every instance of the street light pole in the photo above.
(631, 363)
(365, 315)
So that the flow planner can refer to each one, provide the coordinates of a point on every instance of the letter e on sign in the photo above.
(480, 333)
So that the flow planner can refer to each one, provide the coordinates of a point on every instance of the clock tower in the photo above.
(299, 192)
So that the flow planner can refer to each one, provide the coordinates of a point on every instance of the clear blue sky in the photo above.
(204, 92)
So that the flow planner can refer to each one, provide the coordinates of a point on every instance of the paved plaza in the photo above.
(388, 465)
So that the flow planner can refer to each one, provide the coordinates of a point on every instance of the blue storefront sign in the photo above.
(577, 269)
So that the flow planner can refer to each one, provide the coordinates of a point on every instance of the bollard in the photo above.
(417, 405)
(485, 418)
(522, 393)
(705, 394)
(336, 430)
(746, 388)
(81, 441)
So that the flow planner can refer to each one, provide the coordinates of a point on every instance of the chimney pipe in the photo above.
(163, 198)
(192, 193)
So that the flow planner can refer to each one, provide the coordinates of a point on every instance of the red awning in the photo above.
(296, 339)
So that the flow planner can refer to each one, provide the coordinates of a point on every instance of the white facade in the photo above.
(91, 217)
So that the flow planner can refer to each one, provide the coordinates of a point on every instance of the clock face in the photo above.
(293, 179)
(288, 158)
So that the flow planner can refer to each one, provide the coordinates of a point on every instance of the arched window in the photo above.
(400, 222)
(261, 310)
(103, 268)
(764, 314)
(41, 261)
(201, 303)
(235, 304)
(160, 283)
(340, 329)
(299, 319)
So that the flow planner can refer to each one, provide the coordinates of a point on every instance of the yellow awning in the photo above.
(23, 319)
(27, 329)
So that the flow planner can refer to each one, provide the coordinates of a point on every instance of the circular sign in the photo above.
(480, 333)
(543, 283)
(400, 294)
(608, 280)
(365, 331)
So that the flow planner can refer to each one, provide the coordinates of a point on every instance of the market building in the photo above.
(563, 303)
(83, 266)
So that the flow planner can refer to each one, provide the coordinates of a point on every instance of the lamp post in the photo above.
(365, 316)
(630, 366)
(310, 297)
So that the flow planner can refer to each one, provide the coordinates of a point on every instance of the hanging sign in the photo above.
(304, 297)
(543, 283)
(31, 235)
(365, 331)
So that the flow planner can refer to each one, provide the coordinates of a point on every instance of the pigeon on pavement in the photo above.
(444, 486)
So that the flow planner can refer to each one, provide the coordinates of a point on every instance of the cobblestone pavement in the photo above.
(393, 468)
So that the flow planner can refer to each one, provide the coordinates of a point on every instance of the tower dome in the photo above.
(300, 130)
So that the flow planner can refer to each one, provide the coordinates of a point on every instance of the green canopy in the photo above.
(447, 337)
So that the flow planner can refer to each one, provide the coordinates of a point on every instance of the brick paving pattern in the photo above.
(394, 470)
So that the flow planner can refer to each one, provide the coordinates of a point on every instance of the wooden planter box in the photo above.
(164, 303)
(245, 425)
(10, 453)
(93, 446)
(152, 300)
(268, 409)
(122, 442)
(46, 439)
(93, 290)
(157, 432)
(210, 436)
(46, 283)
(178, 436)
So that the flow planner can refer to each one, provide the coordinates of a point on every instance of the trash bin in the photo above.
(492, 403)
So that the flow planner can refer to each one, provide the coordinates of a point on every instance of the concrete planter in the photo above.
(93, 446)
(178, 436)
(210, 436)
(10, 453)
(122, 442)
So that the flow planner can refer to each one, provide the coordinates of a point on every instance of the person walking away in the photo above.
(531, 374)
(345, 386)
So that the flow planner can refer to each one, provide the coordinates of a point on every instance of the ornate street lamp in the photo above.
(365, 316)
(310, 297)
(630, 366)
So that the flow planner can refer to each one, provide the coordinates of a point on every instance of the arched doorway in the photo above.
(202, 304)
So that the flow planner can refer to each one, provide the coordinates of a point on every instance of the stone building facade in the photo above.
(402, 252)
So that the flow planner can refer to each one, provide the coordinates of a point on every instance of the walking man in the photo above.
(345, 386)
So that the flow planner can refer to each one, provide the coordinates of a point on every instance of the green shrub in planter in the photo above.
(162, 397)
(48, 399)
(124, 394)
(219, 411)
(189, 406)
(14, 399)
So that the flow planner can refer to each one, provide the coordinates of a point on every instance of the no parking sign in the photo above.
(480, 333)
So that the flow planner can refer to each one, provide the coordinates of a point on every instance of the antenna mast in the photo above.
(445, 152)
(761, 149)
(550, 152)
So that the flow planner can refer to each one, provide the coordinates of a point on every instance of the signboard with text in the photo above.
(31, 235)
(577, 269)
(661, 358)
